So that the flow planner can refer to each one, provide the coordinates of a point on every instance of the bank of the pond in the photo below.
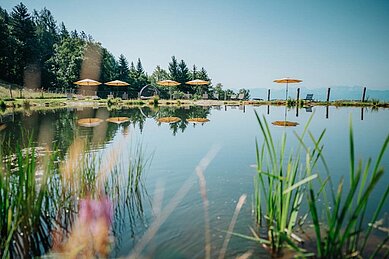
(63, 102)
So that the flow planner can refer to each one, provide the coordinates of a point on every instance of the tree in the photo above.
(194, 73)
(47, 35)
(22, 30)
(63, 32)
(123, 71)
(66, 61)
(138, 78)
(203, 75)
(173, 69)
(160, 74)
(183, 76)
(5, 47)
(109, 67)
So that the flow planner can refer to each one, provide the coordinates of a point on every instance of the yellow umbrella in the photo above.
(287, 80)
(197, 82)
(168, 83)
(86, 82)
(117, 83)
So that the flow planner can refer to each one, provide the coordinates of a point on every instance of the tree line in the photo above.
(36, 51)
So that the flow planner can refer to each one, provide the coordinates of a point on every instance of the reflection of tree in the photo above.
(183, 113)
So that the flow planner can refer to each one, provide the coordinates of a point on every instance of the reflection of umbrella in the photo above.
(117, 83)
(197, 120)
(86, 82)
(287, 80)
(285, 123)
(89, 122)
(169, 119)
(168, 83)
(197, 82)
(118, 120)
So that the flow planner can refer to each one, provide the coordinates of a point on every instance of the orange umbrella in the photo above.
(287, 80)
(168, 83)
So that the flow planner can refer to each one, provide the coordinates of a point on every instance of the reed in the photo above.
(346, 229)
(279, 191)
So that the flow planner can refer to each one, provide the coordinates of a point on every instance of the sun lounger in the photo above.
(240, 96)
(309, 98)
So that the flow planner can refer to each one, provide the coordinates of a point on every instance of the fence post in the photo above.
(328, 94)
(363, 95)
(268, 95)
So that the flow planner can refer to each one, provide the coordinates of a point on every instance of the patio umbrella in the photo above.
(168, 83)
(197, 82)
(117, 83)
(287, 80)
(87, 82)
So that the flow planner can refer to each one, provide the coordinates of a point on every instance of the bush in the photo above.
(3, 106)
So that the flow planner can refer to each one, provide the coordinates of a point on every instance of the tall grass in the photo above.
(279, 191)
(39, 212)
(345, 229)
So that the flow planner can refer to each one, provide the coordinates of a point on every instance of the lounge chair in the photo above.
(240, 96)
(309, 98)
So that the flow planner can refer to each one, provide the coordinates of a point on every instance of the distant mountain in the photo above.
(337, 93)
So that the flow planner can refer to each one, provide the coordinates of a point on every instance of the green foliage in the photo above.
(3, 106)
(279, 190)
(343, 231)
(66, 62)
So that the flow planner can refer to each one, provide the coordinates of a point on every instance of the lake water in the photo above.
(176, 149)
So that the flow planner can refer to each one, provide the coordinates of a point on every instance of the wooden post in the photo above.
(268, 95)
(298, 98)
(327, 111)
(363, 95)
(268, 109)
(362, 114)
(328, 94)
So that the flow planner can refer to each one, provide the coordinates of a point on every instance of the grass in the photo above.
(281, 185)
(343, 232)
(279, 191)
(34, 210)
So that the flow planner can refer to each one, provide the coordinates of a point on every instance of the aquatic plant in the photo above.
(279, 191)
(281, 184)
(42, 201)
(344, 231)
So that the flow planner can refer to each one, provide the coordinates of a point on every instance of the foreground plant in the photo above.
(346, 229)
(279, 191)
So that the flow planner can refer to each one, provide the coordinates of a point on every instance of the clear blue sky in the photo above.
(242, 43)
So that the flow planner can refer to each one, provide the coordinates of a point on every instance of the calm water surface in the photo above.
(175, 151)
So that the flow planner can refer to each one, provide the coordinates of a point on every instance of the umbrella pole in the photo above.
(286, 100)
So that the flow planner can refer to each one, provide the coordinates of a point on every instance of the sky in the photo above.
(242, 44)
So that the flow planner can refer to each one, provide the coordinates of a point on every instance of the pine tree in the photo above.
(183, 77)
(194, 73)
(139, 67)
(123, 71)
(173, 69)
(22, 30)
